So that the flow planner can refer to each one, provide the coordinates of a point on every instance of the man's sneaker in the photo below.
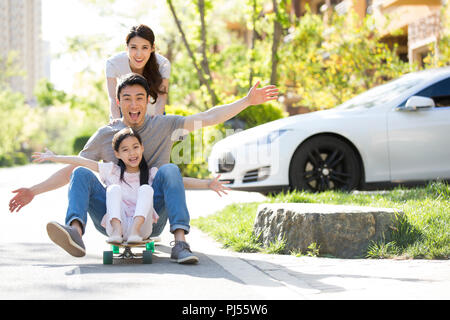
(181, 253)
(67, 238)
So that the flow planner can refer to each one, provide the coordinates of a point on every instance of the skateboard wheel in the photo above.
(150, 246)
(147, 257)
(107, 257)
(115, 249)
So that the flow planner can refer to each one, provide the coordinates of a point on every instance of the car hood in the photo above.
(291, 123)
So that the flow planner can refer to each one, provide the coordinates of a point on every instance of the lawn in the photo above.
(423, 232)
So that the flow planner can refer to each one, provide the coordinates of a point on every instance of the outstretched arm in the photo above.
(114, 111)
(220, 114)
(74, 160)
(213, 184)
(25, 195)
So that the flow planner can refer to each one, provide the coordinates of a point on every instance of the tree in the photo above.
(280, 22)
(440, 53)
(326, 64)
(47, 95)
(200, 72)
(255, 14)
(12, 112)
(277, 32)
(9, 68)
(204, 63)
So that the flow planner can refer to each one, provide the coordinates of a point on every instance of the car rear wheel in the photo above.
(325, 163)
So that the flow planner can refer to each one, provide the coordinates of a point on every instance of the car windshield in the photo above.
(382, 94)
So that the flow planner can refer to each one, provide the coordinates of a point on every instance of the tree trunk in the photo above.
(201, 77)
(252, 59)
(277, 31)
(204, 63)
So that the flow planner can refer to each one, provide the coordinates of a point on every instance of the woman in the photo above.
(140, 57)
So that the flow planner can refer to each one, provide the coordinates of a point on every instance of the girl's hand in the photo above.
(218, 186)
(41, 157)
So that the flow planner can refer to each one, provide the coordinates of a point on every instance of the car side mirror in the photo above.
(417, 102)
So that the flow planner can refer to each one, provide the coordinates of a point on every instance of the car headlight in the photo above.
(269, 138)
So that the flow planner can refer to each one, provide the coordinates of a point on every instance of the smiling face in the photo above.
(130, 152)
(139, 50)
(133, 101)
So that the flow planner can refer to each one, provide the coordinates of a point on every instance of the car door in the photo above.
(419, 141)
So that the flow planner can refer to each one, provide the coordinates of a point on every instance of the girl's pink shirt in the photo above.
(110, 174)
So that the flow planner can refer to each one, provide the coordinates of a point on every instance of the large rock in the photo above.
(340, 231)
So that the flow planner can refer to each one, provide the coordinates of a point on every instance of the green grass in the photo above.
(423, 232)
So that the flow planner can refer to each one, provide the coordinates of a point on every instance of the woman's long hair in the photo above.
(151, 69)
(143, 167)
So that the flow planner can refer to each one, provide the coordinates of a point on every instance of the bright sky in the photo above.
(68, 18)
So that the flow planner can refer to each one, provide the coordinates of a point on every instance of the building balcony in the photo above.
(394, 15)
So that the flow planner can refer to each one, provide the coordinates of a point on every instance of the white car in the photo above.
(396, 132)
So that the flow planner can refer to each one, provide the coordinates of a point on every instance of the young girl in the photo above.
(140, 57)
(129, 196)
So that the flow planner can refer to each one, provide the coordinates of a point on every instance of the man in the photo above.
(88, 195)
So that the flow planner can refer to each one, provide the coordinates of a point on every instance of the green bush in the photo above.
(6, 160)
(13, 159)
(190, 155)
(255, 115)
(79, 143)
(20, 158)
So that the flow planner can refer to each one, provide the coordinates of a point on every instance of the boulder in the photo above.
(340, 231)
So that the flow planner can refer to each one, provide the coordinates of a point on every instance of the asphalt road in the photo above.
(32, 267)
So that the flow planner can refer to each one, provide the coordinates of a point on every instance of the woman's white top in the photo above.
(118, 66)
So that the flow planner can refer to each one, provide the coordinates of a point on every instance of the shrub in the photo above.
(79, 143)
(255, 115)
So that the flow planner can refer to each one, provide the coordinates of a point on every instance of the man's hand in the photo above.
(21, 199)
(258, 96)
(220, 114)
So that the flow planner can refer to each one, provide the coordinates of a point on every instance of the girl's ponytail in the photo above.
(143, 168)
(122, 166)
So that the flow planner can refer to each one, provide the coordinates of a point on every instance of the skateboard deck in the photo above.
(126, 254)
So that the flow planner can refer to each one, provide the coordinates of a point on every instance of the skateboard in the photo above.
(127, 254)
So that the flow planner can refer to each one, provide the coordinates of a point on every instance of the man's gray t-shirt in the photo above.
(158, 134)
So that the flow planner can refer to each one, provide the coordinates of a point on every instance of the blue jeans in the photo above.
(88, 195)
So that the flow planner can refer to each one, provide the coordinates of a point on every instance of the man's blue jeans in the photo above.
(88, 195)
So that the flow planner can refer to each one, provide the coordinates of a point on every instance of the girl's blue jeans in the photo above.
(88, 195)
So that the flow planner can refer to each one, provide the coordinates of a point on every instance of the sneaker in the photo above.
(115, 239)
(181, 253)
(67, 238)
(155, 239)
(134, 238)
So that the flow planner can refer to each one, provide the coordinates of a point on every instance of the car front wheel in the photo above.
(325, 163)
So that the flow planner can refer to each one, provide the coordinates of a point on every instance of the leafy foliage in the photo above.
(319, 64)
(327, 65)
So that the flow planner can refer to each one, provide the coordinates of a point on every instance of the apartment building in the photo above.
(20, 31)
